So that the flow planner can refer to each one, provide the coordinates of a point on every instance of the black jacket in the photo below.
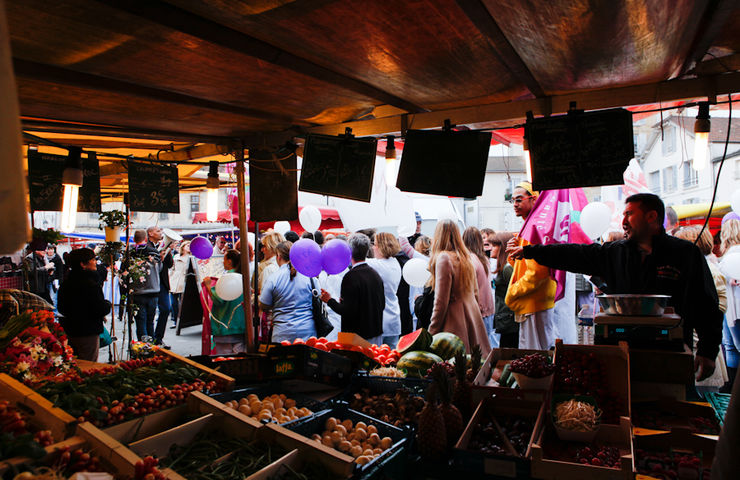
(675, 268)
(362, 302)
(58, 267)
(407, 320)
(82, 303)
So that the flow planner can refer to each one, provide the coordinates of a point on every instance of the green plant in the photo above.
(112, 219)
(48, 236)
(110, 250)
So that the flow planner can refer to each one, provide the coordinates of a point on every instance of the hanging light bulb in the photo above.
(212, 185)
(72, 181)
(701, 137)
(527, 160)
(391, 166)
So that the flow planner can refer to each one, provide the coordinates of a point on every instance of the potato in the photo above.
(355, 451)
(278, 403)
(360, 434)
(363, 460)
(280, 411)
(292, 411)
(386, 443)
(316, 437)
(340, 428)
(374, 439)
(264, 415)
(350, 436)
(326, 440)
(251, 397)
(356, 442)
(367, 452)
(361, 425)
(245, 410)
(256, 406)
(347, 424)
(377, 451)
(372, 429)
(282, 397)
(336, 437)
(289, 402)
(306, 412)
(243, 401)
(344, 446)
(330, 424)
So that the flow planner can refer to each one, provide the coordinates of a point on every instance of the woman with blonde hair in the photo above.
(267, 267)
(385, 247)
(455, 289)
(731, 326)
(473, 240)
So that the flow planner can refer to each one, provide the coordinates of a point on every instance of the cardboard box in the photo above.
(513, 464)
(660, 374)
(546, 465)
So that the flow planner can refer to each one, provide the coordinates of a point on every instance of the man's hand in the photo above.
(516, 253)
(704, 367)
(325, 296)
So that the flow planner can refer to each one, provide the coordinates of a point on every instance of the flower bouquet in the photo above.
(135, 274)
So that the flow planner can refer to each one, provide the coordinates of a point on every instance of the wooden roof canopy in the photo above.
(264, 71)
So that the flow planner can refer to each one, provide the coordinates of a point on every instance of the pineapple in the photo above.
(462, 397)
(431, 433)
(452, 417)
(476, 357)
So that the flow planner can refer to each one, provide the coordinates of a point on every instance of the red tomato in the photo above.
(381, 359)
(311, 341)
(385, 349)
(321, 346)
(357, 348)
(368, 351)
(298, 341)
(285, 343)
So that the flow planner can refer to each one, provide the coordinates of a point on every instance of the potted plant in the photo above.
(110, 250)
(42, 238)
(112, 221)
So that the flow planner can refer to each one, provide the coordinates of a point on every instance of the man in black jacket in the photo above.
(648, 261)
(362, 298)
(83, 305)
(154, 236)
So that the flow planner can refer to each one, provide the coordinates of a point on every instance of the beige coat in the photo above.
(454, 312)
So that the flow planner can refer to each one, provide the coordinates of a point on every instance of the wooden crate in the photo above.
(485, 383)
(226, 381)
(658, 373)
(683, 410)
(679, 440)
(509, 466)
(41, 413)
(619, 436)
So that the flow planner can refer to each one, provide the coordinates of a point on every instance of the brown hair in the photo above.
(282, 250)
(387, 244)
(423, 245)
(447, 239)
(474, 241)
(487, 231)
(235, 258)
(705, 242)
(501, 239)
(730, 235)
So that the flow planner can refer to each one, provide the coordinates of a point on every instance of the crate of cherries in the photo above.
(533, 371)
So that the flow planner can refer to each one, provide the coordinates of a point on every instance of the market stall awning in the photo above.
(700, 210)
(329, 219)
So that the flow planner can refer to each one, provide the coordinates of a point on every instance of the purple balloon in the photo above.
(201, 248)
(305, 255)
(335, 256)
(730, 216)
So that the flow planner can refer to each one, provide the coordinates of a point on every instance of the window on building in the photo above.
(669, 139)
(669, 179)
(690, 176)
(655, 182)
(194, 203)
(164, 216)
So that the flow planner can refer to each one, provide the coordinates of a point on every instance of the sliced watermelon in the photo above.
(416, 341)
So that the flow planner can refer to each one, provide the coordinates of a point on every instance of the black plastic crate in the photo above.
(359, 360)
(271, 388)
(378, 384)
(307, 363)
(243, 367)
(391, 459)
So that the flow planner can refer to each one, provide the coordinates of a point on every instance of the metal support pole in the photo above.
(243, 229)
(256, 310)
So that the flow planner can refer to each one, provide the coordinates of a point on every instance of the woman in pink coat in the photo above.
(455, 289)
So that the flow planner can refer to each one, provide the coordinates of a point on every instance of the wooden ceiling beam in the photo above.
(173, 17)
(483, 19)
(64, 76)
(712, 22)
(728, 63)
(517, 111)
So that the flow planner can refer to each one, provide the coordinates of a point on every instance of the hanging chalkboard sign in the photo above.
(580, 149)
(153, 188)
(448, 162)
(340, 166)
(273, 187)
(45, 182)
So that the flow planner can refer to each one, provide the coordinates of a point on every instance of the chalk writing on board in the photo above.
(45, 182)
(339, 166)
(580, 149)
(153, 188)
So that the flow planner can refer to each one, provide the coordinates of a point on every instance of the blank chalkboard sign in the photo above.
(153, 188)
(340, 166)
(273, 193)
(45, 182)
(444, 162)
(580, 149)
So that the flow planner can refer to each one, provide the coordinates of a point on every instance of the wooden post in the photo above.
(243, 229)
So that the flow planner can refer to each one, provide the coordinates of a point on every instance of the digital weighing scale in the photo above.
(664, 332)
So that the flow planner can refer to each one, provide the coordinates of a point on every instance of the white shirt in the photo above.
(390, 272)
(333, 285)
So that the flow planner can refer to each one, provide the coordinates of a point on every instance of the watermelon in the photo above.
(417, 363)
(446, 345)
(418, 340)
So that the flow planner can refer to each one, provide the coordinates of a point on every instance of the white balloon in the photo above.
(229, 286)
(281, 227)
(415, 272)
(735, 201)
(730, 265)
(250, 238)
(595, 219)
(310, 218)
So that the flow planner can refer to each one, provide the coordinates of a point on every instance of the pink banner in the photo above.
(553, 220)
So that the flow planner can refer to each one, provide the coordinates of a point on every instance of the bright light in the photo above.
(212, 204)
(528, 165)
(701, 150)
(391, 172)
(69, 208)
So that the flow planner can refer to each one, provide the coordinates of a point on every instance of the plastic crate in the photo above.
(244, 367)
(359, 360)
(307, 363)
(383, 385)
(719, 402)
(388, 460)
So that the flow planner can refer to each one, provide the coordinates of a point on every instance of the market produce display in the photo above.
(576, 415)
(488, 435)
(308, 471)
(210, 456)
(382, 354)
(399, 408)
(127, 390)
(462, 396)
(18, 437)
(417, 363)
(599, 456)
(387, 372)
(452, 417)
(656, 418)
(533, 365)
(674, 465)
(431, 435)
(418, 340)
(359, 440)
(446, 345)
(274, 408)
